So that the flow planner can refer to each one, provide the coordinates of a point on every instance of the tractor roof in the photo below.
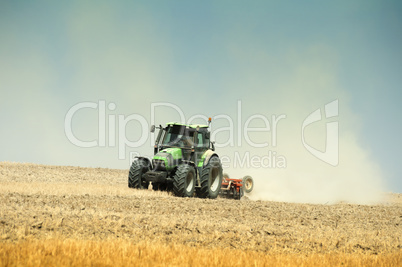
(194, 126)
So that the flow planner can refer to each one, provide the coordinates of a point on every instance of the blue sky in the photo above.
(276, 57)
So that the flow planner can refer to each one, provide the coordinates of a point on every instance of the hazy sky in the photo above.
(207, 58)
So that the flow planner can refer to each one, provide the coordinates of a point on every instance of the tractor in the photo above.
(184, 162)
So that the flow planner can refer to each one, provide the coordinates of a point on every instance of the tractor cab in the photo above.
(193, 140)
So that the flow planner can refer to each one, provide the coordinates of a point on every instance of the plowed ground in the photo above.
(49, 206)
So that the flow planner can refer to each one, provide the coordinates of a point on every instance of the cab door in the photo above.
(200, 147)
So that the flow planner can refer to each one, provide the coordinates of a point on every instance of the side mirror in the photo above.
(152, 128)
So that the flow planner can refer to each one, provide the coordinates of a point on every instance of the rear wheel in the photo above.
(211, 179)
(138, 168)
(184, 181)
(248, 184)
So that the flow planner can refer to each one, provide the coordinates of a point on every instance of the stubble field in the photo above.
(51, 215)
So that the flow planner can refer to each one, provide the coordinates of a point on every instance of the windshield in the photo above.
(178, 136)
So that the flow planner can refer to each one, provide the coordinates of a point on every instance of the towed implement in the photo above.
(235, 188)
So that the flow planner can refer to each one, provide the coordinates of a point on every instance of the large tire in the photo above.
(248, 184)
(138, 168)
(184, 181)
(211, 179)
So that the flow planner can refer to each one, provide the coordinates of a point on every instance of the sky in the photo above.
(82, 81)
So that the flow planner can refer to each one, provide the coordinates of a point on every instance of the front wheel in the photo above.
(138, 168)
(184, 181)
(211, 179)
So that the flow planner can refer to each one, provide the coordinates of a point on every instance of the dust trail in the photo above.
(313, 83)
(305, 178)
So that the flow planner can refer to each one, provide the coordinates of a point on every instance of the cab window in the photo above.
(200, 140)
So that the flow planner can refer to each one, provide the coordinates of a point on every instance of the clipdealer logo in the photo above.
(234, 131)
(238, 129)
(331, 153)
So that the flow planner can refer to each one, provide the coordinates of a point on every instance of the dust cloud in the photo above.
(354, 178)
(304, 178)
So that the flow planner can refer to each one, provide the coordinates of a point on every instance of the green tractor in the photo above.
(184, 162)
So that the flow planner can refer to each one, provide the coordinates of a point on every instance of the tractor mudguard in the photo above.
(189, 162)
(206, 157)
(149, 163)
